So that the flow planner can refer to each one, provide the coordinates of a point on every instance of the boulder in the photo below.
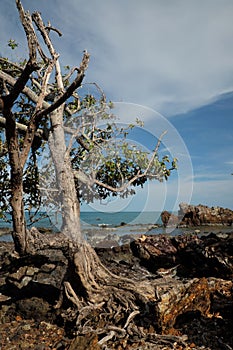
(189, 256)
(198, 215)
(169, 219)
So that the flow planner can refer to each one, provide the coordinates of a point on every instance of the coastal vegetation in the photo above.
(91, 156)
(41, 105)
(60, 145)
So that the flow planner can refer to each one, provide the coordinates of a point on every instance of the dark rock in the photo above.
(206, 256)
(33, 308)
(169, 219)
(191, 277)
(203, 215)
(155, 251)
(200, 215)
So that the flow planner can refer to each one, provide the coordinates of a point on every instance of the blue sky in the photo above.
(175, 58)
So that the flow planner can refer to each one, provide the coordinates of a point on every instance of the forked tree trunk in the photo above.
(96, 281)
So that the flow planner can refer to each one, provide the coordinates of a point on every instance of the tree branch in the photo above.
(31, 65)
(81, 70)
(69, 91)
(90, 181)
(26, 21)
(49, 27)
(19, 85)
(21, 128)
(26, 90)
(31, 129)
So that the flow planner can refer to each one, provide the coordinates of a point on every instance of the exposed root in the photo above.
(117, 311)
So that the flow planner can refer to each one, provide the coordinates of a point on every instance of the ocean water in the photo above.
(120, 218)
(119, 223)
(93, 218)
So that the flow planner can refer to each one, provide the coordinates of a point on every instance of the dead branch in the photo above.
(31, 129)
(77, 81)
(29, 31)
(69, 91)
(31, 65)
(19, 84)
(49, 27)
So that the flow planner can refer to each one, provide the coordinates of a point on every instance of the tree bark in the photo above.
(18, 218)
(65, 179)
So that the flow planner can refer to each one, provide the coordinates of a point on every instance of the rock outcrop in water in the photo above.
(198, 215)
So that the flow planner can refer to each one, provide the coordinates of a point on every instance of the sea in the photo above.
(119, 223)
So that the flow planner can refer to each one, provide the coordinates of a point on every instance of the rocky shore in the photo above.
(192, 277)
(198, 215)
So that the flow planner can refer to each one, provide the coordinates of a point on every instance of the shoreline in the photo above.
(106, 236)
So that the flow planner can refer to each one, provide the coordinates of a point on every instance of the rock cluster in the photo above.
(191, 276)
(198, 215)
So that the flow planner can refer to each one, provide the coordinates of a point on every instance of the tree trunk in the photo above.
(65, 179)
(19, 227)
(18, 217)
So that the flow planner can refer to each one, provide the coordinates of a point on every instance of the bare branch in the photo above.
(31, 65)
(49, 27)
(45, 82)
(155, 151)
(26, 90)
(103, 97)
(69, 91)
(31, 129)
(70, 73)
(29, 30)
(36, 17)
(14, 65)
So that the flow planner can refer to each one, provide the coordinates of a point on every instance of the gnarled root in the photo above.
(114, 307)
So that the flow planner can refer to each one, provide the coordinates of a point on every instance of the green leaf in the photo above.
(12, 44)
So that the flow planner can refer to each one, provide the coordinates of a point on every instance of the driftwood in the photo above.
(141, 293)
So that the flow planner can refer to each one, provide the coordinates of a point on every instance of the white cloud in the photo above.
(170, 56)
